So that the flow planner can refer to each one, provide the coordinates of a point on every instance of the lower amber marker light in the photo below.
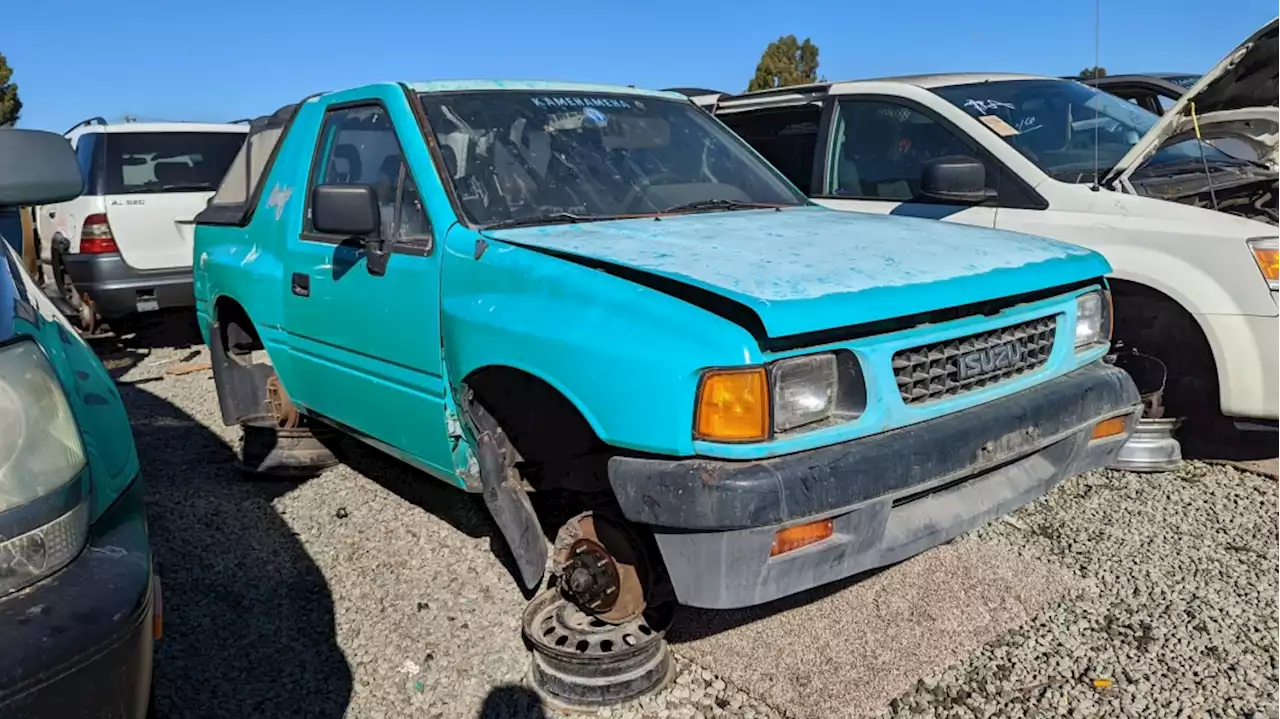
(801, 535)
(1108, 428)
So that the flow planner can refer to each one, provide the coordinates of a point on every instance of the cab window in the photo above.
(358, 146)
(879, 150)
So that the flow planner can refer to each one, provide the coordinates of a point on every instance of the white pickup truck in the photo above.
(1190, 230)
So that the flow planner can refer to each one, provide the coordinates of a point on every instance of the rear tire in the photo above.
(267, 450)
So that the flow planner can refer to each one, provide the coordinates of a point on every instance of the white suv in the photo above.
(124, 246)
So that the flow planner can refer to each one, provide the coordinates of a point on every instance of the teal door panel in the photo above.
(364, 349)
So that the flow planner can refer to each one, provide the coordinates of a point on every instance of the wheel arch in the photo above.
(240, 361)
(1143, 311)
(502, 377)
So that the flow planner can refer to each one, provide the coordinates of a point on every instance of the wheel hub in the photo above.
(601, 567)
(282, 407)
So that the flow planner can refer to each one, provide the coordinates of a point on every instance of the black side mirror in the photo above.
(37, 168)
(351, 211)
(955, 179)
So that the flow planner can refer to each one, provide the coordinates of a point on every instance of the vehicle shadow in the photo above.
(691, 623)
(511, 701)
(1229, 444)
(133, 343)
(248, 617)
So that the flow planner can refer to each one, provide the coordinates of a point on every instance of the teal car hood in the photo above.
(809, 269)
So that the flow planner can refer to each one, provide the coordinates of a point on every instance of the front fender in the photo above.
(626, 356)
(1237, 318)
(1202, 287)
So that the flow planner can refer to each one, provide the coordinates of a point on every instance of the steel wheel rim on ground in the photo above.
(581, 662)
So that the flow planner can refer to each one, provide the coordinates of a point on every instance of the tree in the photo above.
(10, 105)
(1093, 73)
(786, 61)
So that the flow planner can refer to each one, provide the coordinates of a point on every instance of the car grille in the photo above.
(946, 369)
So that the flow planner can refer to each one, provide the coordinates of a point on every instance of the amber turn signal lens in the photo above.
(733, 406)
(793, 538)
(1268, 261)
(1108, 428)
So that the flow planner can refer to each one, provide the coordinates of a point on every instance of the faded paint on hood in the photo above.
(810, 268)
(1238, 96)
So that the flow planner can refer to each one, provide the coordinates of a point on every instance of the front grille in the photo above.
(946, 369)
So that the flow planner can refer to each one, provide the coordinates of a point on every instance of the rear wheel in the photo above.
(282, 443)
(277, 441)
(268, 450)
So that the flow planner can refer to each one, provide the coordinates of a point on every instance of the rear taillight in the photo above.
(96, 237)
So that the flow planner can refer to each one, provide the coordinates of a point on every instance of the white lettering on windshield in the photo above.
(985, 106)
(546, 101)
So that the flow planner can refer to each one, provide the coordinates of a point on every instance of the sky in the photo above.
(219, 61)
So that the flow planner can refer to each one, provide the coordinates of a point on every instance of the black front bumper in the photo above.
(890, 495)
(78, 645)
(118, 289)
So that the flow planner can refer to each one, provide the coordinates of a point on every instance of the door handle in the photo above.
(301, 284)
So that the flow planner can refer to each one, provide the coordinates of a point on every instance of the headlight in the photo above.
(43, 523)
(804, 390)
(1266, 252)
(748, 404)
(1093, 319)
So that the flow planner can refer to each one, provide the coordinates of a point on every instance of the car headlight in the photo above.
(1093, 319)
(44, 515)
(746, 404)
(804, 390)
(1266, 252)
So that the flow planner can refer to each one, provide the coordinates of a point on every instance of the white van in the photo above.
(1189, 230)
(124, 246)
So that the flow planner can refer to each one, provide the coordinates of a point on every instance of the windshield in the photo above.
(1062, 125)
(145, 162)
(516, 156)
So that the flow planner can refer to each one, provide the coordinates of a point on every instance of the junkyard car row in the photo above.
(656, 309)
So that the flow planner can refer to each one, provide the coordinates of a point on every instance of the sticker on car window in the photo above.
(594, 118)
(997, 123)
(579, 101)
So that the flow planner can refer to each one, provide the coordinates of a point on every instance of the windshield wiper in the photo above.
(551, 218)
(721, 205)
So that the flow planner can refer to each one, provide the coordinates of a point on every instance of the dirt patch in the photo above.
(846, 654)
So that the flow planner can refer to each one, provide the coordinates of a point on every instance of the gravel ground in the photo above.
(1178, 614)
(371, 591)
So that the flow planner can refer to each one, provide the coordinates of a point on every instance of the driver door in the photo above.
(876, 156)
(364, 332)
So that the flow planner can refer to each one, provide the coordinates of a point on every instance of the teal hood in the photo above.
(808, 269)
